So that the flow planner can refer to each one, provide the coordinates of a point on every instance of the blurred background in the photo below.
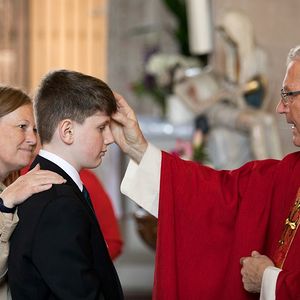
(204, 77)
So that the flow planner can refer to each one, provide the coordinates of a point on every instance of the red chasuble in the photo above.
(209, 219)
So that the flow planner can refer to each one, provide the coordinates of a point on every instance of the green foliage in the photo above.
(155, 92)
(178, 9)
(199, 154)
(149, 86)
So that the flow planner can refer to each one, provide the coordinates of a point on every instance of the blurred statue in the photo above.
(234, 102)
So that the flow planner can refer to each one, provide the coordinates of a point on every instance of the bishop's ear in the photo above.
(66, 131)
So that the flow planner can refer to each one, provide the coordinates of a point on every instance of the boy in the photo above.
(58, 250)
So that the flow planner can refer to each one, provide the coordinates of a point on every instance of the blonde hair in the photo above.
(11, 99)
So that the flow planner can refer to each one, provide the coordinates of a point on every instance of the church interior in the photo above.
(203, 76)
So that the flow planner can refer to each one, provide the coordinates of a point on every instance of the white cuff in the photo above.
(141, 181)
(268, 287)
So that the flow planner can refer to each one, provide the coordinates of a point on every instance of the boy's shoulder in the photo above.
(59, 195)
(60, 201)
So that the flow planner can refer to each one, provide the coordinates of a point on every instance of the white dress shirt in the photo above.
(68, 168)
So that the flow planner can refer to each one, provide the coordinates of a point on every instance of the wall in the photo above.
(68, 34)
(13, 42)
(134, 25)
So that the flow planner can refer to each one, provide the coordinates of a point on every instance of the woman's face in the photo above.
(17, 139)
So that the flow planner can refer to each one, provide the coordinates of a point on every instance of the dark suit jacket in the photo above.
(57, 249)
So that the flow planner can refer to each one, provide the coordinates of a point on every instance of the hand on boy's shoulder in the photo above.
(55, 194)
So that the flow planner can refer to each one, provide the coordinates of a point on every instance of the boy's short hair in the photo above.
(65, 94)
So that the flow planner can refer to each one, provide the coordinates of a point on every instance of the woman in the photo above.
(17, 143)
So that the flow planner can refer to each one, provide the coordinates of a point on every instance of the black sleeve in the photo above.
(62, 252)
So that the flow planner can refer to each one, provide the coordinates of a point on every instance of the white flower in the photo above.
(161, 66)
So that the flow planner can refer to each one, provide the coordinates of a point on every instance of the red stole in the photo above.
(209, 219)
(205, 225)
(288, 234)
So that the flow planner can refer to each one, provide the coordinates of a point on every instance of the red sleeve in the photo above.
(205, 225)
(104, 212)
(288, 287)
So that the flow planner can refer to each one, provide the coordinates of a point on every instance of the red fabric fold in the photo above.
(209, 219)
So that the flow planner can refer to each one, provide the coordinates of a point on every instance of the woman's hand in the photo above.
(33, 182)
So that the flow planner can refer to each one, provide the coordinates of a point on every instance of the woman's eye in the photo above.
(22, 126)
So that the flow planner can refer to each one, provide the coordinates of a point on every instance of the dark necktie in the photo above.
(87, 198)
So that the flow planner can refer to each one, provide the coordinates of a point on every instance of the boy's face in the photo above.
(91, 140)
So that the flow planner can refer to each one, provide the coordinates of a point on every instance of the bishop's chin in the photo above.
(296, 140)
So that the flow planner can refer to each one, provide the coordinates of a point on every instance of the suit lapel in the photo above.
(46, 164)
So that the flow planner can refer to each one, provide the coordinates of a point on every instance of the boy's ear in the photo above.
(66, 130)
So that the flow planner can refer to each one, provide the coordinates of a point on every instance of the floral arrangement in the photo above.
(159, 74)
(194, 149)
(157, 79)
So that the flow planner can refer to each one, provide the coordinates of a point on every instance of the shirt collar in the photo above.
(68, 168)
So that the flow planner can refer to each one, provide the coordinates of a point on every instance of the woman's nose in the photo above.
(31, 137)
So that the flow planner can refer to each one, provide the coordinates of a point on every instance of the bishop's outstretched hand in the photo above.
(126, 130)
